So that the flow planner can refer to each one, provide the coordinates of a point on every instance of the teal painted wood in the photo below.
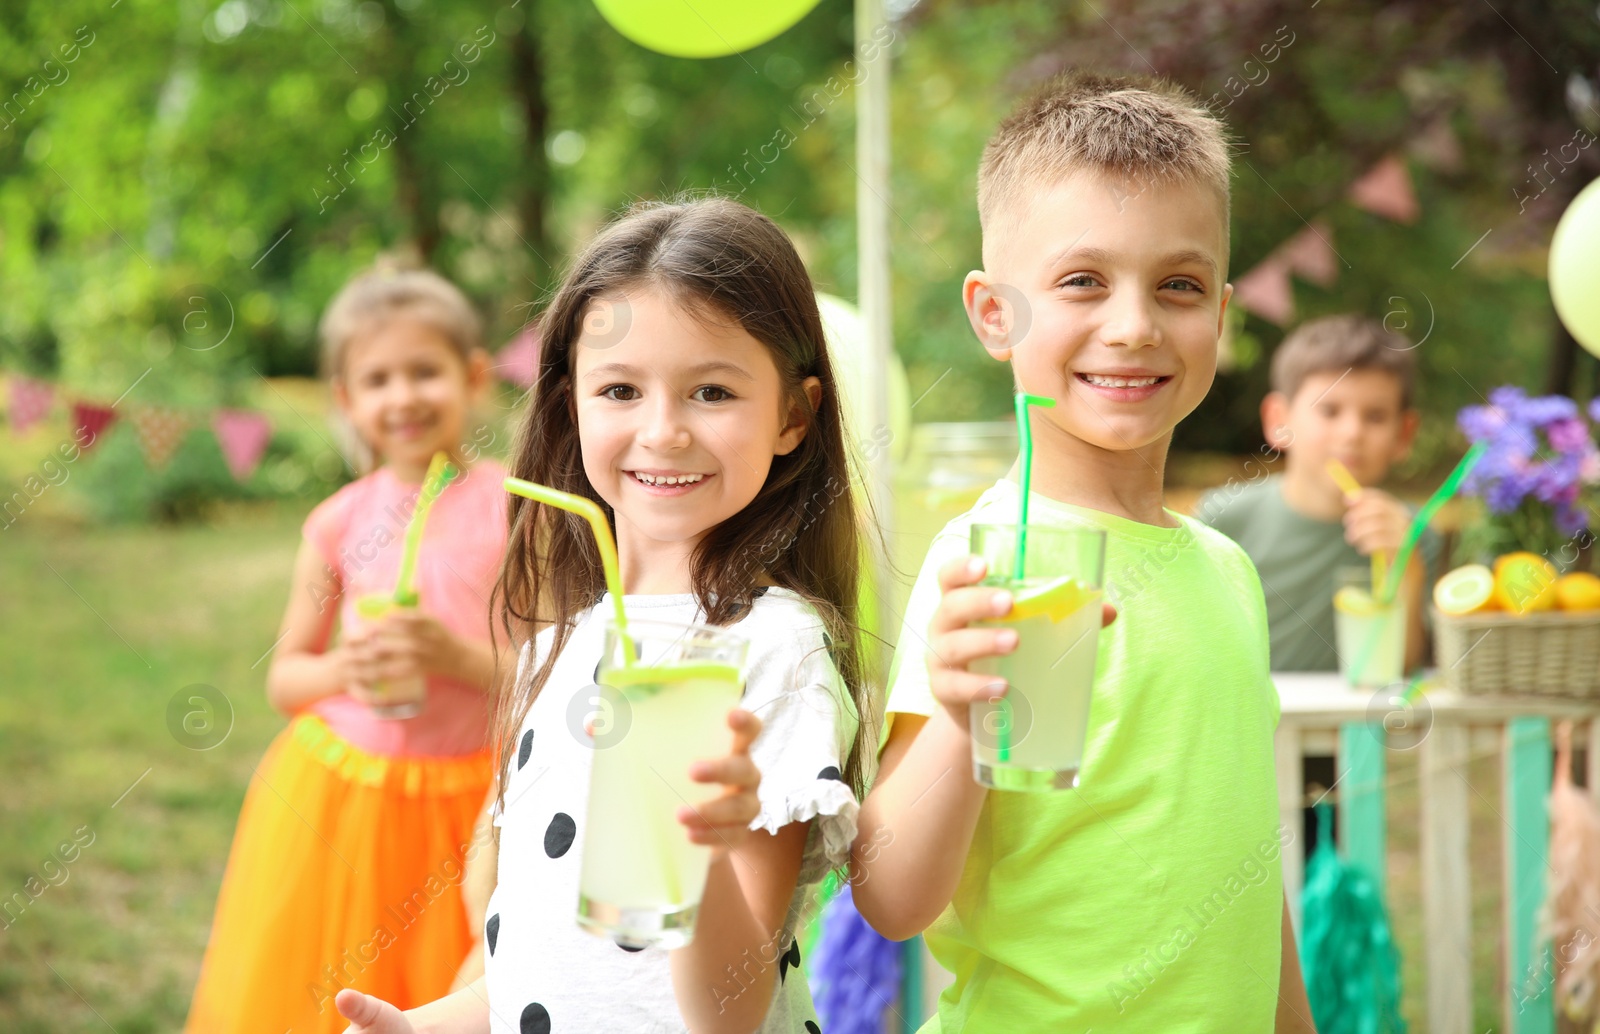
(1530, 1006)
(911, 985)
(1362, 827)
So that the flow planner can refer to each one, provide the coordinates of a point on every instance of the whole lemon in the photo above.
(1524, 583)
(1578, 591)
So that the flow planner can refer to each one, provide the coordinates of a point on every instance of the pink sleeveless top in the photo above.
(360, 532)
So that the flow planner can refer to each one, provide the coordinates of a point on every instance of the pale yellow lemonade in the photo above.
(1033, 738)
(642, 877)
(1371, 637)
(396, 698)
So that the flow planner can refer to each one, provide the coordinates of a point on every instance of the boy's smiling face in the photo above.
(1109, 301)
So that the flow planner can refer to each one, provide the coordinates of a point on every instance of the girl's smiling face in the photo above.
(406, 389)
(678, 421)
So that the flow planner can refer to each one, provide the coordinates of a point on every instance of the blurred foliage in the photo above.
(184, 185)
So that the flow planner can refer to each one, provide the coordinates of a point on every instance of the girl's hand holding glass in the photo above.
(723, 823)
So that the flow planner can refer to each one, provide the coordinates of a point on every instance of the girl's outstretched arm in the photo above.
(465, 1012)
(303, 670)
(723, 979)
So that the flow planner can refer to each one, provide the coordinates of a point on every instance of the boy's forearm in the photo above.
(1294, 1009)
(915, 829)
(465, 1012)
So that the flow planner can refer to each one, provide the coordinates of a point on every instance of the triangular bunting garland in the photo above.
(1266, 291)
(30, 401)
(89, 421)
(1386, 190)
(1310, 254)
(159, 431)
(243, 437)
(518, 362)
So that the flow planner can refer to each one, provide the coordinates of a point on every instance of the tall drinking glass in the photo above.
(1033, 737)
(1371, 637)
(642, 877)
(397, 698)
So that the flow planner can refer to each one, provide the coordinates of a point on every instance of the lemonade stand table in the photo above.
(1322, 716)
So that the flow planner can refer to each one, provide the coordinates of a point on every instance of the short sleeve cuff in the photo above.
(828, 804)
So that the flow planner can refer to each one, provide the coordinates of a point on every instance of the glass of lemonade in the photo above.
(641, 876)
(402, 698)
(1033, 737)
(1371, 637)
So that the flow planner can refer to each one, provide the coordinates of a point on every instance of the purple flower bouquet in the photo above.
(1539, 482)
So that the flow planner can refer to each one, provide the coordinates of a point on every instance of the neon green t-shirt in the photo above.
(1150, 898)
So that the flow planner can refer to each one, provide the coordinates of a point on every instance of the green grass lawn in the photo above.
(101, 628)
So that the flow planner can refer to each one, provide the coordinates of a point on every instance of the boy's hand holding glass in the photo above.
(953, 645)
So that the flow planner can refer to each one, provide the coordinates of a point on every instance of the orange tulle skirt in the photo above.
(345, 871)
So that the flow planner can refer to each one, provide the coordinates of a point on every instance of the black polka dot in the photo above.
(760, 591)
(535, 1019)
(597, 668)
(491, 930)
(812, 1028)
(630, 947)
(559, 834)
(790, 959)
(525, 749)
(831, 772)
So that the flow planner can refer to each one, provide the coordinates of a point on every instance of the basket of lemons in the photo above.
(1519, 627)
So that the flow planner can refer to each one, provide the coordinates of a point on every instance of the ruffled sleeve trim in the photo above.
(834, 810)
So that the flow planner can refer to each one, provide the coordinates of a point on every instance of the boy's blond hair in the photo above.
(375, 296)
(1141, 129)
(1339, 343)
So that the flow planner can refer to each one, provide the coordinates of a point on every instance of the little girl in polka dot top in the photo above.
(685, 386)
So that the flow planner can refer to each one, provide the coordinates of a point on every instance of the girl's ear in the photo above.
(341, 393)
(799, 421)
(477, 375)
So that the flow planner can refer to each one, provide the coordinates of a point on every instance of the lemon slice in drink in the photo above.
(1357, 601)
(1054, 599)
(1464, 590)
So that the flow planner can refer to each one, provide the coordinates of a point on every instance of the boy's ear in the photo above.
(998, 313)
(341, 392)
(1410, 423)
(799, 421)
(1275, 421)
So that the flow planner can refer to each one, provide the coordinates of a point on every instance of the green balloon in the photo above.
(702, 28)
(1575, 268)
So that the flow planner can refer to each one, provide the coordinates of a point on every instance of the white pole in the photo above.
(872, 261)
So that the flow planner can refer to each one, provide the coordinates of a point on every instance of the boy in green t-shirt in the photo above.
(1342, 388)
(1149, 898)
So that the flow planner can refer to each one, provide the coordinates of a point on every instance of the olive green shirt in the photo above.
(1297, 557)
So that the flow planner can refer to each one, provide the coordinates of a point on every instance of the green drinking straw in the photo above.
(1419, 524)
(588, 510)
(1025, 439)
(440, 473)
(1019, 563)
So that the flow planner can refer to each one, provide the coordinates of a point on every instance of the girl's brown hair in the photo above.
(722, 260)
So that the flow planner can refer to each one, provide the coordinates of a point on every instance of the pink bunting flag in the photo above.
(1310, 254)
(1386, 190)
(1266, 291)
(159, 431)
(518, 361)
(30, 401)
(89, 421)
(243, 437)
